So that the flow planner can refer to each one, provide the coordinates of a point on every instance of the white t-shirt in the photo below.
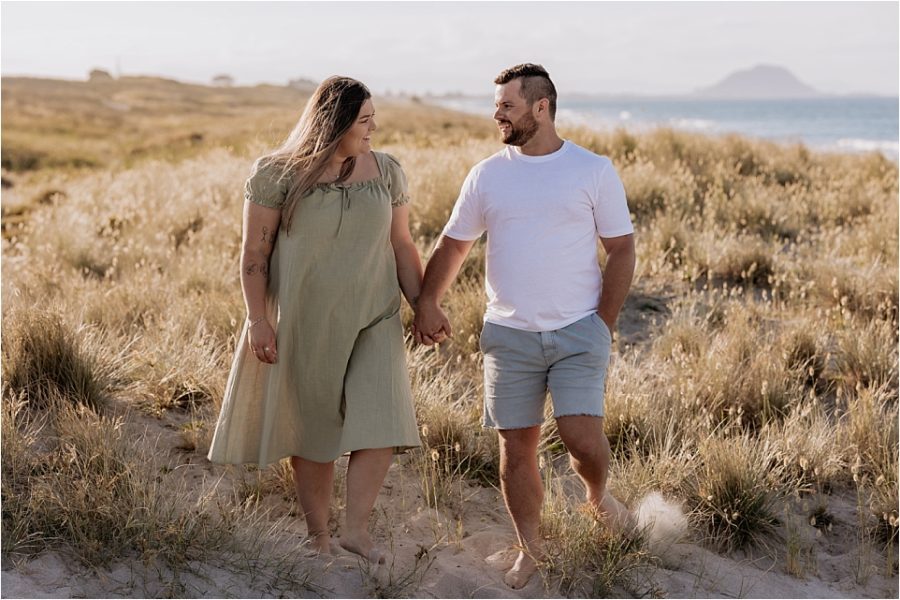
(543, 215)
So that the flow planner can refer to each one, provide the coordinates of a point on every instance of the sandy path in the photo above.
(453, 546)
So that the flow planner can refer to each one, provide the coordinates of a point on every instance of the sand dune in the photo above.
(440, 555)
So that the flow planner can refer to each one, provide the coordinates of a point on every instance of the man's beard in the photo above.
(519, 133)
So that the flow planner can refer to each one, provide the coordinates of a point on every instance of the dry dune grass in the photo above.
(770, 374)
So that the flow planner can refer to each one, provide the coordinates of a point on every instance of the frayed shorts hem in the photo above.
(580, 414)
(486, 425)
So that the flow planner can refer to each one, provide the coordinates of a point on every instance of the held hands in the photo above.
(261, 338)
(431, 325)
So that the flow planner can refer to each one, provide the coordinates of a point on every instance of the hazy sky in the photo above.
(603, 47)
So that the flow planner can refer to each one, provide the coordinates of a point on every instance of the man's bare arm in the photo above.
(617, 277)
(443, 266)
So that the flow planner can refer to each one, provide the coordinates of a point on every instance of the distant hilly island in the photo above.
(762, 82)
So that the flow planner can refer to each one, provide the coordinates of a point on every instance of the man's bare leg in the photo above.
(520, 481)
(589, 454)
(313, 482)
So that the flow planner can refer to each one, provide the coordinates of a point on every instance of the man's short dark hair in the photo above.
(536, 83)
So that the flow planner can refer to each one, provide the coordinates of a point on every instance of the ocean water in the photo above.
(825, 124)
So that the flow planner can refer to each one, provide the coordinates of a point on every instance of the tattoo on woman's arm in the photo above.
(253, 269)
(268, 237)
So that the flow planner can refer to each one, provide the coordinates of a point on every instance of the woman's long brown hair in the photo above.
(305, 154)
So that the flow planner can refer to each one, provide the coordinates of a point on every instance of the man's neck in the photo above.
(542, 143)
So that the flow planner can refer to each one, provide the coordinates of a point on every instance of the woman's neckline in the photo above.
(352, 184)
(340, 185)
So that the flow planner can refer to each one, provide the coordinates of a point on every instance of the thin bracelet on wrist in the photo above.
(255, 322)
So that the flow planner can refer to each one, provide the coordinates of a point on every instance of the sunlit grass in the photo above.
(768, 367)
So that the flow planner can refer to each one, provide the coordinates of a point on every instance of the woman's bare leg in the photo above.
(314, 482)
(365, 476)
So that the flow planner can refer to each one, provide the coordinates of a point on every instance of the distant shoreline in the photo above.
(834, 125)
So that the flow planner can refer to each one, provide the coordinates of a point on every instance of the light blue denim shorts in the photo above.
(521, 366)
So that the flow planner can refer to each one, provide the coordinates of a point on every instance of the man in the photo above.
(543, 202)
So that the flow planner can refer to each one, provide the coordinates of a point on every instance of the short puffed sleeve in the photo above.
(396, 180)
(266, 185)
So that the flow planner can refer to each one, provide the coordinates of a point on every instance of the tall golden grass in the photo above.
(763, 367)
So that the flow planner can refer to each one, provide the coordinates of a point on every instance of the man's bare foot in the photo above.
(521, 572)
(363, 546)
(612, 513)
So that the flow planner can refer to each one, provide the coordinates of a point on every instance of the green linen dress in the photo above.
(341, 382)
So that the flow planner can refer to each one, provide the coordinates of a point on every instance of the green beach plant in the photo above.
(736, 492)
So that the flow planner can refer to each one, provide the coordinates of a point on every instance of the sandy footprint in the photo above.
(504, 559)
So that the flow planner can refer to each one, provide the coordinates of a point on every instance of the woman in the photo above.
(321, 366)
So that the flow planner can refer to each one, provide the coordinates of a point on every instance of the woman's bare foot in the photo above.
(363, 546)
(521, 571)
(319, 545)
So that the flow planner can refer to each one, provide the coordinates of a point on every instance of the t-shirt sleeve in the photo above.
(396, 181)
(467, 219)
(611, 215)
(266, 186)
